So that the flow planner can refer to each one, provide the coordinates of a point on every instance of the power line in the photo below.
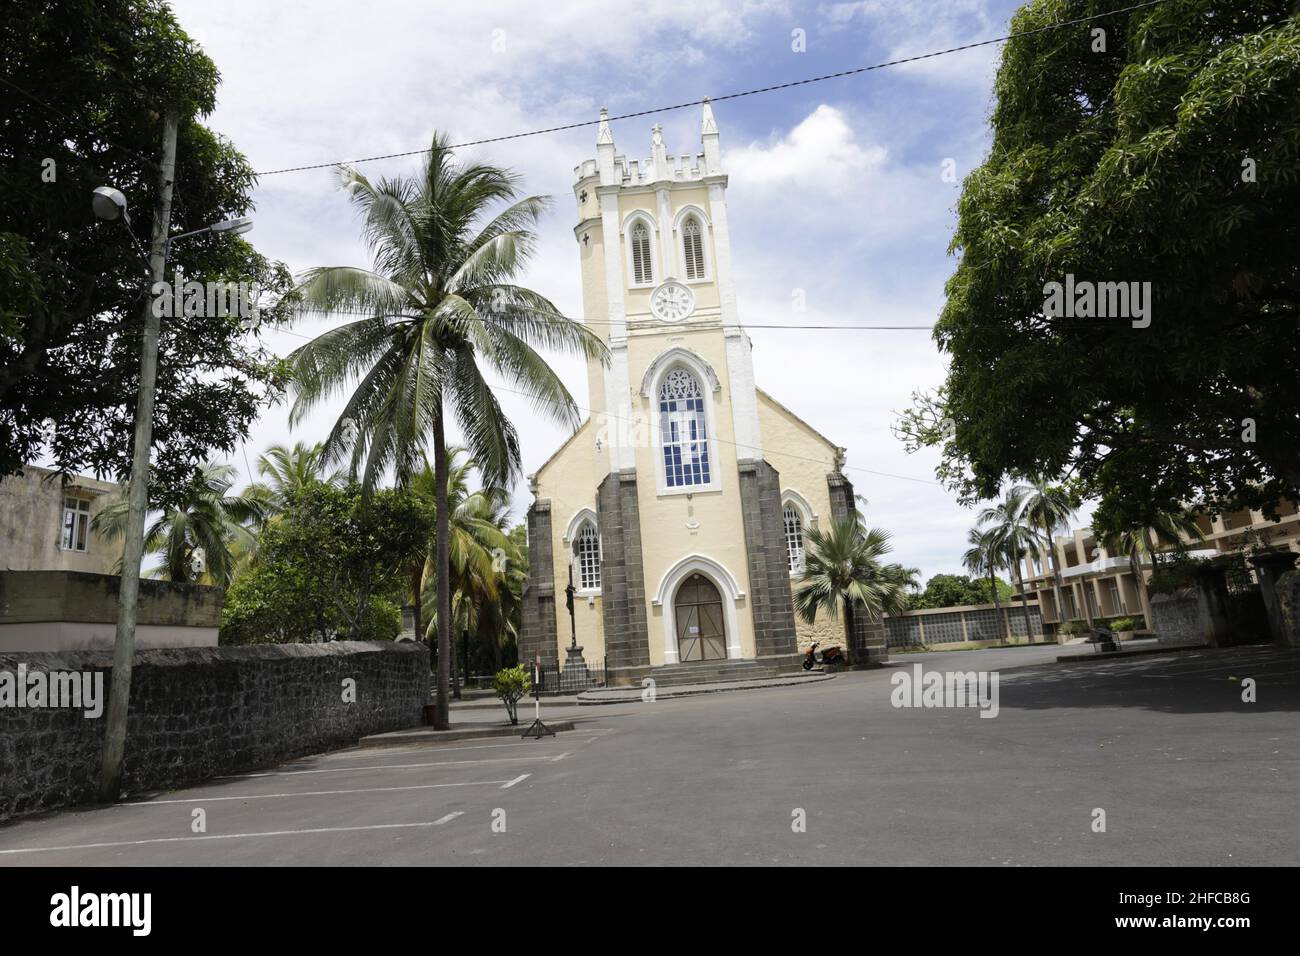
(726, 96)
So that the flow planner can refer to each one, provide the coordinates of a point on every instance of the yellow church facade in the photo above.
(679, 508)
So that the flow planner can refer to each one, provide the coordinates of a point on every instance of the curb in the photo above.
(668, 693)
(400, 738)
(1097, 657)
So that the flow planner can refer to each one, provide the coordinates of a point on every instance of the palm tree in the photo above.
(440, 300)
(843, 569)
(985, 556)
(1013, 535)
(480, 551)
(1048, 508)
(1165, 526)
(286, 471)
(205, 523)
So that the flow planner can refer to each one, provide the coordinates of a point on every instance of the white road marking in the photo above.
(232, 836)
(386, 751)
(519, 779)
(387, 766)
(448, 818)
(315, 793)
(560, 757)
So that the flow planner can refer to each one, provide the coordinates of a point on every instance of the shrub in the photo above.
(512, 684)
(1123, 624)
(1074, 627)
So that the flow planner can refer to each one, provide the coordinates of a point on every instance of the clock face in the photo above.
(672, 301)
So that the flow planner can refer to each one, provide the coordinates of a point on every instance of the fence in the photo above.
(570, 680)
(958, 625)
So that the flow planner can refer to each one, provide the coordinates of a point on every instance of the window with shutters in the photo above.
(642, 271)
(693, 248)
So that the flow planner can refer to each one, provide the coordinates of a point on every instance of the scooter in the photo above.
(813, 657)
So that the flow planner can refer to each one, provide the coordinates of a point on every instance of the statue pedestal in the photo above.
(576, 676)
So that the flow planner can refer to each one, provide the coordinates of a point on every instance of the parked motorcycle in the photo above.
(812, 657)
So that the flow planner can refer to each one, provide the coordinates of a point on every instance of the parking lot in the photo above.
(1185, 770)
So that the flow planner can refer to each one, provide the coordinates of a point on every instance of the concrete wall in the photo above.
(73, 610)
(957, 625)
(31, 522)
(202, 712)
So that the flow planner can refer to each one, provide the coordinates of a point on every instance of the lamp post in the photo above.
(109, 204)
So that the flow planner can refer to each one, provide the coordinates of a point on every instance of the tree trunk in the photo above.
(1140, 582)
(442, 713)
(1024, 605)
(1056, 579)
(997, 605)
(850, 652)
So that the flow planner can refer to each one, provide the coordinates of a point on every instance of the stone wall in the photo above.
(201, 712)
(538, 634)
(622, 578)
(770, 596)
(1176, 618)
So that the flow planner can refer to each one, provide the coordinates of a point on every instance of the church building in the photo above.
(680, 505)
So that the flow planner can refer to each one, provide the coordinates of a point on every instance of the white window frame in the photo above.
(807, 519)
(679, 243)
(587, 531)
(582, 518)
(641, 217)
(710, 430)
(76, 531)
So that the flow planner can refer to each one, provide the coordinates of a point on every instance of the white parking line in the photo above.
(386, 766)
(519, 779)
(448, 818)
(319, 793)
(232, 836)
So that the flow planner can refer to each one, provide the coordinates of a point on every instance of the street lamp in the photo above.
(109, 204)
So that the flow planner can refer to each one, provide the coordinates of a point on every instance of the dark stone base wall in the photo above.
(868, 644)
(841, 492)
(622, 582)
(538, 635)
(770, 598)
(200, 712)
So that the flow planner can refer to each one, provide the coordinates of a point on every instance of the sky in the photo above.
(836, 198)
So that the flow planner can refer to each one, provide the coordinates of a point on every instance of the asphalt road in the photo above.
(1186, 772)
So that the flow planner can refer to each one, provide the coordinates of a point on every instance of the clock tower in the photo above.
(665, 507)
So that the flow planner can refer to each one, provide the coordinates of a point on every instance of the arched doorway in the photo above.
(697, 610)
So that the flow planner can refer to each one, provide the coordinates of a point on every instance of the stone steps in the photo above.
(706, 672)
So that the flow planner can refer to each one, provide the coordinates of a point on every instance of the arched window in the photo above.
(693, 248)
(586, 553)
(793, 537)
(642, 272)
(682, 430)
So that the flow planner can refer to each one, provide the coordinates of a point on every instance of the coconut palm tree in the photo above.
(439, 306)
(1048, 508)
(1169, 526)
(1013, 535)
(199, 537)
(984, 557)
(843, 571)
(285, 471)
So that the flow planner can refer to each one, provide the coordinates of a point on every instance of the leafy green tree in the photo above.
(1171, 157)
(199, 537)
(956, 590)
(843, 573)
(329, 567)
(440, 305)
(85, 87)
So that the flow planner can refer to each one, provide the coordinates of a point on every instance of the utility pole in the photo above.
(110, 784)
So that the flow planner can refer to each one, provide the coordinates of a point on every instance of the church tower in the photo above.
(664, 505)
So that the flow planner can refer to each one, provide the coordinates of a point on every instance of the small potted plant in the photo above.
(512, 685)
(1124, 628)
